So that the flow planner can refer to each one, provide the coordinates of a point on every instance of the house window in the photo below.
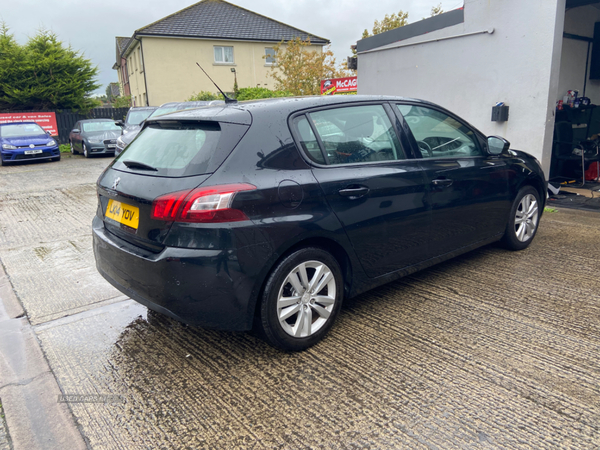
(269, 55)
(224, 55)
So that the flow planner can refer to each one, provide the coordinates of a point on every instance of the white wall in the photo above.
(518, 64)
(579, 21)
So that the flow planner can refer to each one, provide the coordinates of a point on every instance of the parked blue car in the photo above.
(25, 141)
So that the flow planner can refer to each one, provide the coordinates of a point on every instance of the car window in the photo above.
(438, 135)
(136, 117)
(308, 140)
(354, 134)
(22, 130)
(100, 126)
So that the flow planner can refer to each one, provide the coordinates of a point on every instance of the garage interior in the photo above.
(575, 163)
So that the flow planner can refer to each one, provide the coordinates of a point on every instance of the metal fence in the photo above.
(66, 119)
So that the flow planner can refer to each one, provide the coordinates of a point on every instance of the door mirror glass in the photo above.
(75, 131)
(497, 145)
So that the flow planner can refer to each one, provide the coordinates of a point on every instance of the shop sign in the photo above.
(339, 85)
(47, 120)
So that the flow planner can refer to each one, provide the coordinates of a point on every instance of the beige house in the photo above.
(158, 63)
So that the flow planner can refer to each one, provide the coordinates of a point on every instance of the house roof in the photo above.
(121, 45)
(218, 19)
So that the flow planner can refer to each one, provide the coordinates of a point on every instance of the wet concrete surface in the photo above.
(4, 437)
(493, 349)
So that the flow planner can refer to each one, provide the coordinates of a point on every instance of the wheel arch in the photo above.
(539, 185)
(336, 249)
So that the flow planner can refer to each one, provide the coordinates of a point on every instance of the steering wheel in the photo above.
(424, 148)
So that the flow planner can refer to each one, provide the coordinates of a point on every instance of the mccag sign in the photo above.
(339, 85)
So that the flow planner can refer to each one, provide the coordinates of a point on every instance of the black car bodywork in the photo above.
(379, 219)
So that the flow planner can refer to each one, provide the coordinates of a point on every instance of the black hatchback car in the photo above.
(268, 214)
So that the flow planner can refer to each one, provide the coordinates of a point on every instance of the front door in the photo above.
(467, 188)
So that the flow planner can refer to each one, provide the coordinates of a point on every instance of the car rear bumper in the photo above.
(201, 287)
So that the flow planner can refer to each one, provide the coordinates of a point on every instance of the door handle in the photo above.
(355, 192)
(442, 182)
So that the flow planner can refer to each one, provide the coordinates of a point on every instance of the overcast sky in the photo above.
(91, 26)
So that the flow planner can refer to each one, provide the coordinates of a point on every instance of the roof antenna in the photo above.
(227, 98)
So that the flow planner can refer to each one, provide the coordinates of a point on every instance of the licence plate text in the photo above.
(123, 213)
(32, 152)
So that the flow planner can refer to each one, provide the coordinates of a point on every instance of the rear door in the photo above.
(467, 188)
(373, 186)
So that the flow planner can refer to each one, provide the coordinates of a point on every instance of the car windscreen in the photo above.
(161, 111)
(100, 126)
(179, 148)
(136, 117)
(21, 130)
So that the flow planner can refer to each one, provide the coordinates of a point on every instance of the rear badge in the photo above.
(116, 182)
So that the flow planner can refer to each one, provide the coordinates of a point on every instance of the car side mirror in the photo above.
(75, 131)
(120, 123)
(497, 145)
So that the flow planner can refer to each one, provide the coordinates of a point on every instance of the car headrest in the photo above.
(358, 126)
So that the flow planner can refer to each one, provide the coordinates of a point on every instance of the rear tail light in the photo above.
(201, 205)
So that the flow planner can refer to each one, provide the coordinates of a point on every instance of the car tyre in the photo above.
(86, 153)
(301, 299)
(523, 220)
(73, 151)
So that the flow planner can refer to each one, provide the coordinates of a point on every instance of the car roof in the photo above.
(19, 123)
(96, 120)
(240, 112)
(141, 108)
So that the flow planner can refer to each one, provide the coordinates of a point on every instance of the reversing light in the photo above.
(201, 205)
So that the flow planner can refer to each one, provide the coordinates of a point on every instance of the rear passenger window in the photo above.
(355, 134)
(438, 135)
(308, 140)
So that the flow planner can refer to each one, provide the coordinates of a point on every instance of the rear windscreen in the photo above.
(177, 149)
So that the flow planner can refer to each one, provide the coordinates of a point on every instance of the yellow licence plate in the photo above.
(123, 213)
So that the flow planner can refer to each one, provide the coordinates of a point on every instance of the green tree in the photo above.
(389, 22)
(122, 102)
(203, 96)
(436, 10)
(299, 70)
(110, 88)
(43, 74)
(254, 93)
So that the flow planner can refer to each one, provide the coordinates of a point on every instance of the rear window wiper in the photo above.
(139, 165)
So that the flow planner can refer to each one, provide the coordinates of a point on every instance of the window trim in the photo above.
(413, 140)
(409, 156)
(223, 63)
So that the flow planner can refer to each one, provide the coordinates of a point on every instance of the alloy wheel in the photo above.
(306, 299)
(526, 218)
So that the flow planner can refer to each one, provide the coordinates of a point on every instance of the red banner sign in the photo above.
(339, 85)
(47, 120)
